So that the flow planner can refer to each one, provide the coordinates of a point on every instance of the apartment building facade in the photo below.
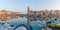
(46, 14)
(6, 15)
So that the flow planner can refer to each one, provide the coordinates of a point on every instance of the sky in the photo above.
(21, 5)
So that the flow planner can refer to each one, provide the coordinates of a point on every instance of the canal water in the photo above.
(16, 21)
(21, 28)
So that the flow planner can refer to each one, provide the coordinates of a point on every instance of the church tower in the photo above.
(28, 10)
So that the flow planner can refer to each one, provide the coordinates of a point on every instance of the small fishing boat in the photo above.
(54, 23)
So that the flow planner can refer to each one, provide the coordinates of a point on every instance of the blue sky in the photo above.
(21, 5)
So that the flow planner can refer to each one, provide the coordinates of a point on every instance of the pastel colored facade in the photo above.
(46, 12)
(4, 12)
(6, 15)
(0, 14)
(34, 12)
(18, 14)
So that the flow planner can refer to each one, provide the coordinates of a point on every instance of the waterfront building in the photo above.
(43, 15)
(46, 12)
(31, 12)
(34, 15)
(18, 13)
(6, 15)
(0, 14)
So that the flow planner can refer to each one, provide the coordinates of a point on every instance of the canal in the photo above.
(18, 21)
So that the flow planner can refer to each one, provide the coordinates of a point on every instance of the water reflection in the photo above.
(21, 28)
(24, 21)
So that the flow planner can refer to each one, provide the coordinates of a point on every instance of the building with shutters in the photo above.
(6, 15)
